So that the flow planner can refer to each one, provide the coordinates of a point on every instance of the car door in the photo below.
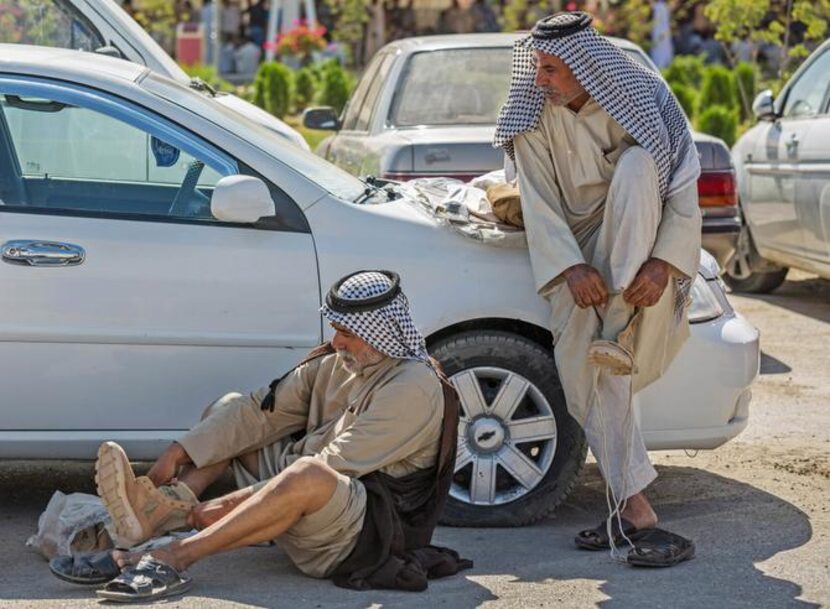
(778, 209)
(812, 197)
(126, 305)
(354, 148)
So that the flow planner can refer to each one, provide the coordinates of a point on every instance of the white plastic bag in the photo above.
(70, 524)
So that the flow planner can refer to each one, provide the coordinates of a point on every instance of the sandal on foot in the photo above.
(660, 548)
(597, 538)
(85, 568)
(150, 579)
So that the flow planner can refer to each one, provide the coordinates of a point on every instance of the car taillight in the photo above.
(405, 176)
(717, 188)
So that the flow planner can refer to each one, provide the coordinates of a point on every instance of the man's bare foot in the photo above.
(638, 511)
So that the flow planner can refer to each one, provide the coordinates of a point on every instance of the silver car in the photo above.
(783, 168)
(427, 107)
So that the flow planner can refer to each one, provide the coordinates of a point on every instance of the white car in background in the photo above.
(783, 168)
(102, 26)
(158, 250)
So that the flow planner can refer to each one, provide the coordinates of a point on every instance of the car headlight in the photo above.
(706, 304)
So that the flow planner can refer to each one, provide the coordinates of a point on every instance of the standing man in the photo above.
(607, 174)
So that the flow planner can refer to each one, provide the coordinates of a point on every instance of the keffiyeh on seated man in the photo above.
(607, 173)
(317, 455)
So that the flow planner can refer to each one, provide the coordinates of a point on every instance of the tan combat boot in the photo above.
(138, 509)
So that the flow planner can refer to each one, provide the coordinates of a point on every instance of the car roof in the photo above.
(68, 64)
(449, 41)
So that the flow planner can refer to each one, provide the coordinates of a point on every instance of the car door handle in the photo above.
(42, 253)
(792, 142)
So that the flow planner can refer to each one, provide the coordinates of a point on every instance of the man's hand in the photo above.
(166, 466)
(649, 284)
(587, 285)
(208, 512)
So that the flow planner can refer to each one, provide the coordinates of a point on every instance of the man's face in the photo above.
(355, 353)
(555, 79)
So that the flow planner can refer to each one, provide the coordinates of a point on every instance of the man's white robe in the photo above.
(590, 195)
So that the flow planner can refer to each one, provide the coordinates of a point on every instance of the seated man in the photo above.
(316, 455)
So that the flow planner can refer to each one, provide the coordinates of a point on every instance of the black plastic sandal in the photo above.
(86, 568)
(597, 538)
(660, 548)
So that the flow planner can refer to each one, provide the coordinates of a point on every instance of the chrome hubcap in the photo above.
(486, 434)
(506, 436)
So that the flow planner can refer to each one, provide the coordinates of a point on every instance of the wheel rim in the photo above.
(738, 266)
(507, 436)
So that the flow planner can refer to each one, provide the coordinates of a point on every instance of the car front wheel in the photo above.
(519, 451)
(738, 273)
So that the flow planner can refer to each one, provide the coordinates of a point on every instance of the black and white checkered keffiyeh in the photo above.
(388, 328)
(632, 95)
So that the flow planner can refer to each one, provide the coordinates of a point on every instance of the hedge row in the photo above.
(715, 98)
(281, 90)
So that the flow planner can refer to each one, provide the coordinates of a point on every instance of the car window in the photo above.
(51, 23)
(373, 95)
(806, 95)
(356, 101)
(452, 87)
(74, 158)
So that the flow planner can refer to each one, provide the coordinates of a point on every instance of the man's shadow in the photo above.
(735, 526)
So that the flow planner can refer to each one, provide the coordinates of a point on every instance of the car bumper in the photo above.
(720, 237)
(702, 400)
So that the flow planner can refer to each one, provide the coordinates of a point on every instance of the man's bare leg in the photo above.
(302, 488)
(198, 479)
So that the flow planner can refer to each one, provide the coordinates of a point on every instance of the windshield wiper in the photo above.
(200, 85)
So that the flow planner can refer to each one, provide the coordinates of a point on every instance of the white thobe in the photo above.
(590, 195)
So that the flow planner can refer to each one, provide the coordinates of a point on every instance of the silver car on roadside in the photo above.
(783, 169)
(427, 107)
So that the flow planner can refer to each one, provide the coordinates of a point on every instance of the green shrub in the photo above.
(259, 87)
(717, 89)
(686, 96)
(745, 79)
(272, 88)
(685, 70)
(335, 86)
(719, 121)
(305, 84)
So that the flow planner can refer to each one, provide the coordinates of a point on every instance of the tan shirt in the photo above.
(388, 418)
(564, 187)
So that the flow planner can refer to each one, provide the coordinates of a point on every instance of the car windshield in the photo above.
(49, 23)
(327, 176)
(452, 87)
(459, 86)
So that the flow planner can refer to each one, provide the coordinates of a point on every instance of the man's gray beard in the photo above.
(355, 365)
(560, 100)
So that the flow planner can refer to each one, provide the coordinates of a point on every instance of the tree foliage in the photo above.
(770, 21)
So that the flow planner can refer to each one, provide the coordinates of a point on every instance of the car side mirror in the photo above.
(324, 117)
(763, 107)
(241, 200)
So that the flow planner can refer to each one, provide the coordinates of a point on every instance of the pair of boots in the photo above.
(139, 510)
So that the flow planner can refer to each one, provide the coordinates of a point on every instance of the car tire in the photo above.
(756, 283)
(498, 364)
(739, 274)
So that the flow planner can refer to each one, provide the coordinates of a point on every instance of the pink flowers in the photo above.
(300, 41)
